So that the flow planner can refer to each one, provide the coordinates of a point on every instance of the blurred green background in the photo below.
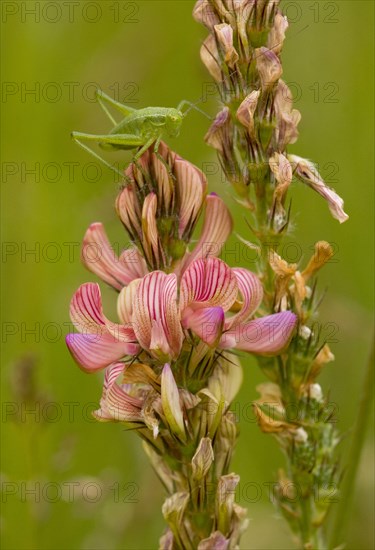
(93, 488)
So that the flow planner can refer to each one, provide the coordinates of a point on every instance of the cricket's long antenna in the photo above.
(192, 106)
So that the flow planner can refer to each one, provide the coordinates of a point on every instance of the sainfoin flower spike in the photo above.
(171, 371)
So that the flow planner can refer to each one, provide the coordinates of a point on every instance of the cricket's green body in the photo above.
(147, 123)
(139, 128)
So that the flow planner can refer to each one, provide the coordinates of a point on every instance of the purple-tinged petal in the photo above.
(96, 351)
(99, 257)
(246, 111)
(269, 67)
(251, 290)
(207, 323)
(207, 283)
(217, 227)
(268, 335)
(224, 35)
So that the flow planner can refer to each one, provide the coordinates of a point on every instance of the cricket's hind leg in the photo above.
(103, 98)
(119, 141)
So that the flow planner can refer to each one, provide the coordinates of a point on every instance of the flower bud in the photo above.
(170, 399)
(323, 357)
(216, 541)
(283, 173)
(287, 118)
(204, 13)
(173, 510)
(210, 58)
(240, 522)
(225, 501)
(226, 380)
(203, 458)
(217, 134)
(276, 35)
(224, 34)
(166, 541)
(269, 67)
(245, 112)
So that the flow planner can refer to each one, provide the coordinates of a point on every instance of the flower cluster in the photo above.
(251, 134)
(163, 314)
(170, 368)
(257, 121)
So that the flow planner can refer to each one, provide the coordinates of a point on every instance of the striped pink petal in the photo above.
(86, 310)
(134, 262)
(150, 236)
(99, 257)
(96, 351)
(128, 211)
(115, 403)
(208, 283)
(251, 291)
(156, 300)
(125, 302)
(207, 323)
(191, 186)
(86, 313)
(265, 336)
(217, 227)
(159, 342)
(164, 184)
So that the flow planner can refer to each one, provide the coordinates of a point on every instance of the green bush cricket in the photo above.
(139, 128)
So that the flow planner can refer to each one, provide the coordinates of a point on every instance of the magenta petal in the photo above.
(266, 336)
(207, 323)
(96, 351)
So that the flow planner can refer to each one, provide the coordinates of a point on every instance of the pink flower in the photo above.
(158, 313)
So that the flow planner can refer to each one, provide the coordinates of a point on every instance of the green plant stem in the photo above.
(357, 442)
